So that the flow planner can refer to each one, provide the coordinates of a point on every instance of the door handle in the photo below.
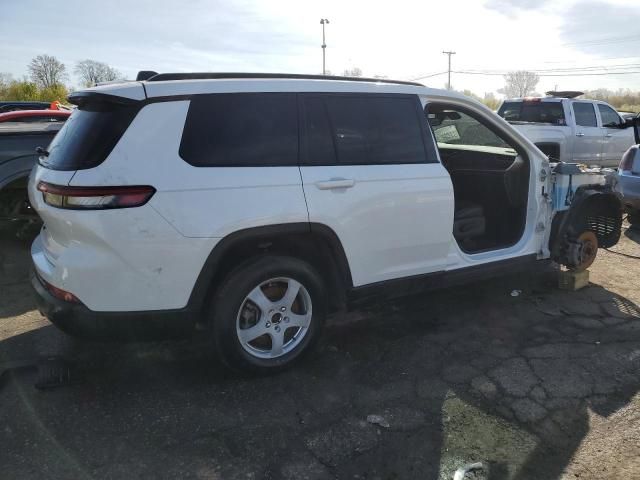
(579, 134)
(335, 183)
(609, 135)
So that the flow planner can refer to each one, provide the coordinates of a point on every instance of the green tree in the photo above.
(5, 81)
(54, 93)
(491, 101)
(22, 91)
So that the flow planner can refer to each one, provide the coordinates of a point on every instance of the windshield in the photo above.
(533, 112)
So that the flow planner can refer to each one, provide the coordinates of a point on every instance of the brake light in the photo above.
(532, 99)
(95, 198)
(59, 293)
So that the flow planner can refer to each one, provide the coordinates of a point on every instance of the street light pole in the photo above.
(449, 70)
(323, 22)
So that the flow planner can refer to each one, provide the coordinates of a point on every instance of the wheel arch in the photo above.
(551, 149)
(13, 177)
(313, 242)
(597, 209)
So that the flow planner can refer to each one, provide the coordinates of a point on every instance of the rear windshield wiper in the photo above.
(42, 152)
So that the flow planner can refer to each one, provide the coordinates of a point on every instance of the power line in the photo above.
(567, 69)
(552, 74)
(605, 41)
(604, 59)
(427, 76)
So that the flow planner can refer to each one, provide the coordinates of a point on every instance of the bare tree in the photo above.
(47, 71)
(519, 83)
(92, 72)
(353, 72)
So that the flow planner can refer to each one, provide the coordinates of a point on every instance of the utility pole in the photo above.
(323, 22)
(449, 71)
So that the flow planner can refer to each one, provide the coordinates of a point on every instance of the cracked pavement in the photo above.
(539, 386)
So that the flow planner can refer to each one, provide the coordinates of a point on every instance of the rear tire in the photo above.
(267, 313)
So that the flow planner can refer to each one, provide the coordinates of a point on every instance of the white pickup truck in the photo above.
(571, 130)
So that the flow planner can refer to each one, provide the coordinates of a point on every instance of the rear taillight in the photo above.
(95, 198)
(59, 293)
(626, 163)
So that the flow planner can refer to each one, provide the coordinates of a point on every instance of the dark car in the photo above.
(628, 184)
(13, 105)
(18, 143)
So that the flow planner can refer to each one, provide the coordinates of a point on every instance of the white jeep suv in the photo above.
(256, 204)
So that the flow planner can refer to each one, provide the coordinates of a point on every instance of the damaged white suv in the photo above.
(256, 204)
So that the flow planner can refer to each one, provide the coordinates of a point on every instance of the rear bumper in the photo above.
(77, 320)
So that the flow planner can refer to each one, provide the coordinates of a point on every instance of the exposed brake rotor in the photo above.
(583, 251)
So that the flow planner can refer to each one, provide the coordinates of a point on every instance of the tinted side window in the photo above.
(318, 143)
(89, 135)
(241, 129)
(585, 114)
(609, 117)
(363, 129)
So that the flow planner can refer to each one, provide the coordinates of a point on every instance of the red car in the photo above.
(35, 116)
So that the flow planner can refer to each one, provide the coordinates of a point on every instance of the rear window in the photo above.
(45, 119)
(363, 129)
(533, 112)
(241, 130)
(88, 136)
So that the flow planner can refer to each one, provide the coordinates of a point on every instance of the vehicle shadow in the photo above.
(15, 263)
(633, 234)
(468, 374)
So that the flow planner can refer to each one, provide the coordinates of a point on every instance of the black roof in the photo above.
(243, 75)
(7, 106)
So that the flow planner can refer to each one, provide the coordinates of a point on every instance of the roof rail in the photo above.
(229, 75)
(564, 93)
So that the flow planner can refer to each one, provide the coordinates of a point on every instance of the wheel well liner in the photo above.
(593, 208)
(312, 242)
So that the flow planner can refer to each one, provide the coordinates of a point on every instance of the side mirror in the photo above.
(631, 122)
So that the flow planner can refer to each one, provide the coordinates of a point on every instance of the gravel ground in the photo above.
(539, 386)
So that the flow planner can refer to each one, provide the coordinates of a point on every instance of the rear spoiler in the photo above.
(84, 97)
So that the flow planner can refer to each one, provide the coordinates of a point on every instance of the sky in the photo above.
(400, 39)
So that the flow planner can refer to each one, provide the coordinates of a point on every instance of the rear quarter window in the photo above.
(241, 130)
(89, 135)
